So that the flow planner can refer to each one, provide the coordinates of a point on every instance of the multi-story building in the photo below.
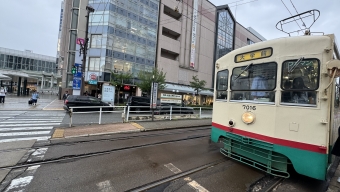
(186, 46)
(123, 38)
(73, 27)
(59, 58)
(26, 70)
(182, 38)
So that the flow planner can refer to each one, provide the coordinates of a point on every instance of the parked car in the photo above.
(143, 104)
(84, 101)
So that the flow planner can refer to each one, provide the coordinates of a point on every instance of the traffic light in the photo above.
(73, 70)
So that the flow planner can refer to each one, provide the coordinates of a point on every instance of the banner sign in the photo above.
(78, 70)
(153, 98)
(193, 34)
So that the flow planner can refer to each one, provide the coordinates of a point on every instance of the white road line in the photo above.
(24, 133)
(19, 183)
(27, 121)
(172, 168)
(16, 125)
(193, 184)
(25, 129)
(23, 139)
(49, 104)
(105, 186)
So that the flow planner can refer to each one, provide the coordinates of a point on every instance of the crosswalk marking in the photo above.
(15, 125)
(25, 138)
(24, 133)
(27, 125)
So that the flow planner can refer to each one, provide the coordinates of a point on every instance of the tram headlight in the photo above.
(248, 117)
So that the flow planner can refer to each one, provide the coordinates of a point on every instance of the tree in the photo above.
(118, 80)
(197, 84)
(146, 79)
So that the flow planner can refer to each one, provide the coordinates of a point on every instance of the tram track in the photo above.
(145, 135)
(93, 154)
(177, 176)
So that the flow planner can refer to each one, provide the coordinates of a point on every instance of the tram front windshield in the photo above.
(254, 83)
(300, 80)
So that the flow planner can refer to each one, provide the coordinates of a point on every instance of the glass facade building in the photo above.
(123, 36)
(26, 61)
(225, 28)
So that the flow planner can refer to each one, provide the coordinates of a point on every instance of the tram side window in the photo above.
(300, 80)
(222, 84)
(254, 82)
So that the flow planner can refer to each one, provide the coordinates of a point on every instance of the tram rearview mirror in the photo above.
(332, 67)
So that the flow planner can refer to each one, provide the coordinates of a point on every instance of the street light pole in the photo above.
(84, 49)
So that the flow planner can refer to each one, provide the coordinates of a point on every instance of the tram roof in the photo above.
(287, 46)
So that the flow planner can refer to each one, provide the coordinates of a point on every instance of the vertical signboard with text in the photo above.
(153, 98)
(193, 34)
(108, 93)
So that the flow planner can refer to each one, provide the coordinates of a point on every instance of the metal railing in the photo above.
(140, 112)
(100, 111)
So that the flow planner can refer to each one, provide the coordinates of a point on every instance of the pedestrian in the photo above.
(2, 95)
(65, 96)
(35, 97)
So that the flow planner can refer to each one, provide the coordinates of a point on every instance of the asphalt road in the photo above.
(123, 170)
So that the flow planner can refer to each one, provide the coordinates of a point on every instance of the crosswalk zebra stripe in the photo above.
(24, 133)
(25, 129)
(33, 124)
(21, 122)
(26, 138)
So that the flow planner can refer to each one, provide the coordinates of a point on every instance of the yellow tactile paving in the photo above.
(137, 125)
(58, 133)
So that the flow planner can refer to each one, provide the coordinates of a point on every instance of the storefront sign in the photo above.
(193, 34)
(93, 82)
(177, 101)
(108, 93)
(171, 96)
(126, 87)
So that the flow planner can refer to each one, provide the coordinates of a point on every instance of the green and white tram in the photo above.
(277, 103)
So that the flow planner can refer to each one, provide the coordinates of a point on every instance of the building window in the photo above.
(96, 41)
(94, 64)
(249, 42)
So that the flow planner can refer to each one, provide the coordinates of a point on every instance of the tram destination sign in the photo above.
(258, 54)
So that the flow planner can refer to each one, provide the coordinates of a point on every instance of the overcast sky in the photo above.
(34, 24)
(263, 15)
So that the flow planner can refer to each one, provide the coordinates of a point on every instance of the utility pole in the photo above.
(84, 49)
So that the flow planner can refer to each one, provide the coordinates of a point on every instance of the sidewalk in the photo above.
(20, 103)
(91, 130)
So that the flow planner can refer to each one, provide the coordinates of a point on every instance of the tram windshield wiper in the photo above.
(295, 65)
(244, 71)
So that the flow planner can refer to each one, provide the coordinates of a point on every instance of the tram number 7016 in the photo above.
(249, 107)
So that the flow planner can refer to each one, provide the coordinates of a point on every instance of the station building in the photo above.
(24, 71)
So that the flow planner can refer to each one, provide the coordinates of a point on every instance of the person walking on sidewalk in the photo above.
(65, 96)
(2, 95)
(35, 97)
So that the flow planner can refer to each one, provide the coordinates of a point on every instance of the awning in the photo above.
(4, 77)
(185, 89)
(14, 73)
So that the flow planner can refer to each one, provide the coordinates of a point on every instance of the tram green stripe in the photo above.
(305, 162)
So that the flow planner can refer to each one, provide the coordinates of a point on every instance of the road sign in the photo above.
(80, 41)
(76, 83)
(154, 89)
(78, 72)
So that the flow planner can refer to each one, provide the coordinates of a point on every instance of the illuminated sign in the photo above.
(259, 54)
(127, 87)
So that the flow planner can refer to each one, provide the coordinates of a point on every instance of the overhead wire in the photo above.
(303, 23)
(291, 14)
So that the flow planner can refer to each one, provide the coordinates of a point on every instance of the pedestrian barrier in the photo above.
(138, 113)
